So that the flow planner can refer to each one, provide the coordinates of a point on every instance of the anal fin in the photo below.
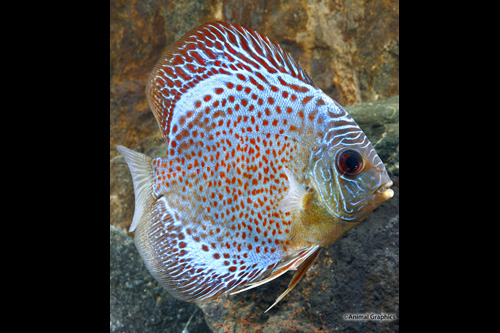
(301, 270)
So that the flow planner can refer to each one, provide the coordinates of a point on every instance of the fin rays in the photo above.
(142, 177)
(295, 198)
(303, 268)
(289, 264)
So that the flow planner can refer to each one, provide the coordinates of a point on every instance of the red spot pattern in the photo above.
(193, 54)
(246, 120)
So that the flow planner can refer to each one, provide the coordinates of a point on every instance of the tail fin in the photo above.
(142, 177)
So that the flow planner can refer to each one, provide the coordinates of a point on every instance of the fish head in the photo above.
(350, 177)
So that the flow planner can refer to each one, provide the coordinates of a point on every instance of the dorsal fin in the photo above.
(211, 49)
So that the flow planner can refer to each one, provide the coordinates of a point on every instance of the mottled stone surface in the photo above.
(380, 122)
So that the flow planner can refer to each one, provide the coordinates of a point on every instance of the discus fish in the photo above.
(262, 168)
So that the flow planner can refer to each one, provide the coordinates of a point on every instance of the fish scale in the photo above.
(243, 124)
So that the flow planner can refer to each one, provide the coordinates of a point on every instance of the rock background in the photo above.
(351, 50)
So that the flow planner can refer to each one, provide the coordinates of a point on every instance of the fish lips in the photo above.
(384, 192)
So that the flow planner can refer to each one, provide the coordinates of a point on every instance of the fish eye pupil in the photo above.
(350, 162)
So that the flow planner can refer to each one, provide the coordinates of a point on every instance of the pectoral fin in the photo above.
(297, 196)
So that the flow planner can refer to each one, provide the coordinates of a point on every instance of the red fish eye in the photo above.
(350, 162)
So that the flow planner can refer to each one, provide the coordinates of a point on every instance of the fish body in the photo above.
(262, 168)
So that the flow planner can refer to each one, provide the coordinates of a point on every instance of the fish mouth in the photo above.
(384, 191)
